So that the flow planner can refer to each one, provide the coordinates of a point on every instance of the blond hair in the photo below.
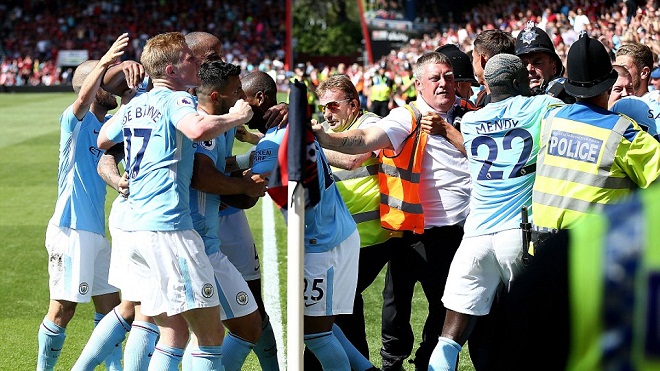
(338, 82)
(161, 51)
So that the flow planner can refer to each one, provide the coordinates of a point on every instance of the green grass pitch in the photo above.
(29, 140)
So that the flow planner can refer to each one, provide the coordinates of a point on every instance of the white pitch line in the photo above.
(271, 277)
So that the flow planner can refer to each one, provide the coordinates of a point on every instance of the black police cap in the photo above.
(460, 63)
(590, 71)
(533, 39)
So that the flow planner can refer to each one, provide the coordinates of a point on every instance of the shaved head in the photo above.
(81, 73)
(205, 46)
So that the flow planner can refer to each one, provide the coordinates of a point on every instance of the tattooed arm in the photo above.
(352, 141)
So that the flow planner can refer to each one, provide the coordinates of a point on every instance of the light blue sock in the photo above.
(207, 358)
(140, 346)
(358, 361)
(166, 358)
(235, 350)
(328, 350)
(51, 339)
(266, 347)
(445, 355)
(104, 343)
(186, 362)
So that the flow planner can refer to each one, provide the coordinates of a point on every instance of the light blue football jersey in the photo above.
(204, 206)
(80, 190)
(120, 207)
(644, 110)
(159, 159)
(329, 222)
(502, 142)
(228, 210)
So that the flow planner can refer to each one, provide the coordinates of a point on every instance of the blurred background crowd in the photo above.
(254, 31)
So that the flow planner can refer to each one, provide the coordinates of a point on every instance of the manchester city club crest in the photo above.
(529, 34)
(207, 290)
(208, 145)
(242, 298)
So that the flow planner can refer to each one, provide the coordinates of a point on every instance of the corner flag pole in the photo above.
(298, 117)
(295, 258)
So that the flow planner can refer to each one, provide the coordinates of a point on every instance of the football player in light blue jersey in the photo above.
(219, 90)
(502, 142)
(79, 254)
(237, 242)
(110, 332)
(332, 245)
(644, 110)
(158, 129)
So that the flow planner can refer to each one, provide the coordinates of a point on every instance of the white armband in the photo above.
(243, 161)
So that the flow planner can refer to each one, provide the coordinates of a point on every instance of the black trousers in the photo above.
(425, 259)
(380, 107)
(372, 260)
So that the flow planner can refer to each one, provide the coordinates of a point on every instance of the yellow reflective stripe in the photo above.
(602, 180)
(577, 190)
(554, 218)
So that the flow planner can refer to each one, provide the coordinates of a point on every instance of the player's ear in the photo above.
(261, 97)
(483, 60)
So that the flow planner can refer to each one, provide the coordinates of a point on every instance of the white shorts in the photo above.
(481, 265)
(78, 264)
(236, 299)
(237, 243)
(331, 279)
(173, 270)
(122, 273)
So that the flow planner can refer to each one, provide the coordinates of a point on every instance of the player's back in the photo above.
(644, 110)
(159, 160)
(329, 222)
(502, 144)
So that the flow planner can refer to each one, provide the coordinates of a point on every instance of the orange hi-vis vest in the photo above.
(399, 176)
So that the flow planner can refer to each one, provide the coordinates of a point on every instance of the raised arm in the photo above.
(121, 77)
(92, 82)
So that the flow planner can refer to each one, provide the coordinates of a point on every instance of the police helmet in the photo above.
(460, 64)
(590, 71)
(533, 39)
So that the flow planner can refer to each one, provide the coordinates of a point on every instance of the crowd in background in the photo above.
(254, 31)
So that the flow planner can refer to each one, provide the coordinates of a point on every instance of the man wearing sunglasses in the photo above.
(356, 177)
(438, 193)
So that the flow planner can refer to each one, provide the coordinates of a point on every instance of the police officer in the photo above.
(545, 68)
(589, 156)
(381, 92)
(586, 317)
(300, 74)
